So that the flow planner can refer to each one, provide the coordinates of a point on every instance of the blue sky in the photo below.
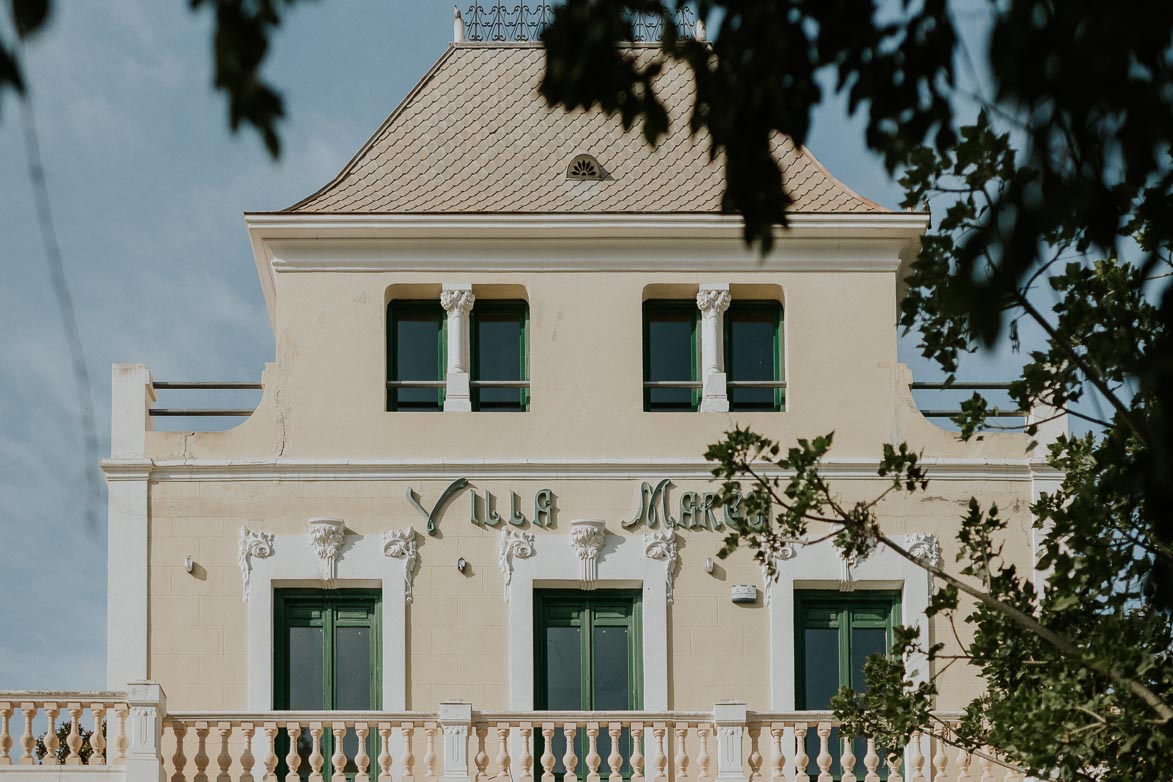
(148, 186)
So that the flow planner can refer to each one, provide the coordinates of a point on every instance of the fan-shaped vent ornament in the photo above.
(584, 167)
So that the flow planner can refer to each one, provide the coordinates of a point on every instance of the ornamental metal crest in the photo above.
(525, 21)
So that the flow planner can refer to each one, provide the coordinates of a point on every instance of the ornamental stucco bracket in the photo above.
(326, 539)
(924, 547)
(771, 561)
(252, 544)
(400, 544)
(661, 545)
(515, 544)
(586, 538)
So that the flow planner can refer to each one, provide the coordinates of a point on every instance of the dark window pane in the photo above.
(498, 354)
(352, 668)
(563, 668)
(305, 668)
(752, 354)
(416, 345)
(820, 649)
(610, 674)
(670, 355)
(864, 643)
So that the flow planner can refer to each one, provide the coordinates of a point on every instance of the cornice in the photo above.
(532, 469)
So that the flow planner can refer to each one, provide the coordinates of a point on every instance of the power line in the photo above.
(81, 375)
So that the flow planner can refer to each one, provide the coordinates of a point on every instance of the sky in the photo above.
(148, 186)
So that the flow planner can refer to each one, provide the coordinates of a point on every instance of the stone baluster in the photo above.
(777, 759)
(178, 759)
(270, 761)
(847, 761)
(963, 761)
(503, 759)
(916, 759)
(408, 775)
(362, 758)
(548, 760)
(201, 757)
(615, 758)
(292, 758)
(940, 759)
(660, 758)
(755, 753)
(121, 710)
(430, 751)
(570, 760)
(28, 742)
(1011, 776)
(704, 761)
(73, 740)
(871, 762)
(51, 741)
(385, 752)
(681, 751)
(593, 759)
(824, 760)
(97, 737)
(338, 759)
(224, 758)
(317, 759)
(801, 759)
(481, 759)
(894, 768)
(637, 752)
(986, 762)
(5, 735)
(527, 756)
(247, 759)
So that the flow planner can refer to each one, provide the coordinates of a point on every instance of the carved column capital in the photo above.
(457, 299)
(713, 301)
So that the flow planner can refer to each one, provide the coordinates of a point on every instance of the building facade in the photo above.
(468, 531)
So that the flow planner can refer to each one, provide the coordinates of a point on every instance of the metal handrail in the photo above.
(472, 383)
(755, 383)
(672, 384)
(206, 385)
(416, 384)
(200, 412)
(961, 386)
(995, 413)
(203, 385)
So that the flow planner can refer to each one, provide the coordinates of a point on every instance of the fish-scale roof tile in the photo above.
(475, 136)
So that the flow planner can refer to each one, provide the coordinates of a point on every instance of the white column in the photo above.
(455, 720)
(131, 395)
(730, 718)
(457, 299)
(148, 706)
(713, 300)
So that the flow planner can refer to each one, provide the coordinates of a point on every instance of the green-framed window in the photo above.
(836, 633)
(753, 355)
(588, 655)
(671, 348)
(500, 355)
(416, 360)
(327, 656)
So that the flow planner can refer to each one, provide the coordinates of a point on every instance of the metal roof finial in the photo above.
(457, 25)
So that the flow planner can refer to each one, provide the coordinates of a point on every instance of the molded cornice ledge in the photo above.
(127, 469)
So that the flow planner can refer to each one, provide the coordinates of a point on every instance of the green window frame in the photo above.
(424, 394)
(327, 611)
(588, 612)
(761, 399)
(499, 399)
(844, 614)
(684, 393)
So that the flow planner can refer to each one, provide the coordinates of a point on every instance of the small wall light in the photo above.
(708, 564)
(461, 564)
(188, 563)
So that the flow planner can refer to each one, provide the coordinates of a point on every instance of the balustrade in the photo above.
(478, 747)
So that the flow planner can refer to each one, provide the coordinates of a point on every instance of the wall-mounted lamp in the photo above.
(188, 563)
(461, 565)
(708, 564)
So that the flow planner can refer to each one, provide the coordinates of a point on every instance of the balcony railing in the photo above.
(143, 742)
(951, 412)
(203, 412)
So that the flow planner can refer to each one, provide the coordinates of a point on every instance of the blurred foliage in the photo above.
(86, 750)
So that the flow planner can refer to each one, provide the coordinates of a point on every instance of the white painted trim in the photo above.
(537, 468)
(621, 564)
(360, 563)
(819, 567)
(127, 583)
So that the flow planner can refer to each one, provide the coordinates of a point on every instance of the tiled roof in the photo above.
(475, 136)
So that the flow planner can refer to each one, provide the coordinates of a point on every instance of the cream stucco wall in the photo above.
(322, 444)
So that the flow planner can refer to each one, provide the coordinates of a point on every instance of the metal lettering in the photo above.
(434, 514)
(544, 508)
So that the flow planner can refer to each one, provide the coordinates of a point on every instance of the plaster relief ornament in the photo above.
(661, 545)
(400, 544)
(456, 298)
(586, 538)
(252, 544)
(923, 546)
(515, 544)
(769, 574)
(712, 301)
(326, 539)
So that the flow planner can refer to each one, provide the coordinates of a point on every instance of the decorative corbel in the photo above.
(252, 544)
(400, 544)
(661, 545)
(326, 539)
(515, 544)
